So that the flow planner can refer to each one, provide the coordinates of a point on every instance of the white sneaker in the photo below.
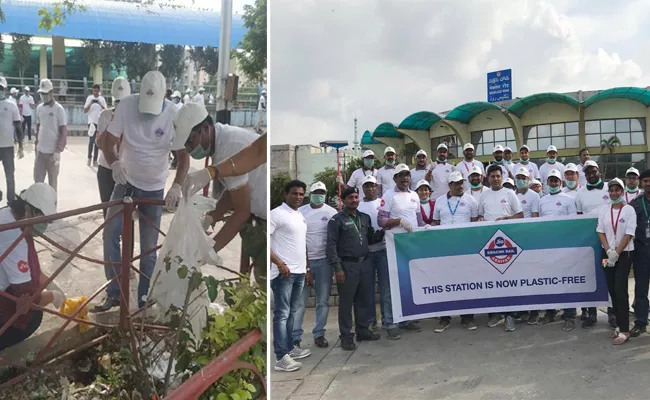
(287, 364)
(297, 353)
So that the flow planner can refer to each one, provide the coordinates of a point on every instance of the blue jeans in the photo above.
(148, 239)
(379, 265)
(287, 296)
(322, 273)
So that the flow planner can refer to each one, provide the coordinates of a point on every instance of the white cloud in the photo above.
(385, 60)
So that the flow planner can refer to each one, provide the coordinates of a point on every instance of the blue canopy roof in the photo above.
(124, 22)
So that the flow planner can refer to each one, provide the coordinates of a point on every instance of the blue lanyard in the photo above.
(455, 208)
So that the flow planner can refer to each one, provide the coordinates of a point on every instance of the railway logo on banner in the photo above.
(500, 251)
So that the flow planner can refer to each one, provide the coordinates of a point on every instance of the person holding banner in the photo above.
(439, 172)
(556, 204)
(348, 235)
(571, 176)
(423, 189)
(456, 207)
(499, 204)
(550, 164)
(476, 182)
(631, 184)
(616, 229)
(421, 170)
(641, 205)
(385, 173)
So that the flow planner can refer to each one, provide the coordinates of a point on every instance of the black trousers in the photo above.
(7, 158)
(27, 122)
(93, 149)
(616, 277)
(106, 184)
(353, 294)
(641, 269)
(14, 335)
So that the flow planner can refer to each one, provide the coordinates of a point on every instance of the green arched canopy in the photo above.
(420, 121)
(386, 129)
(367, 139)
(641, 95)
(464, 113)
(520, 107)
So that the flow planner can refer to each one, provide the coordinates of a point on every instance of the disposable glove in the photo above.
(195, 182)
(119, 173)
(406, 225)
(173, 197)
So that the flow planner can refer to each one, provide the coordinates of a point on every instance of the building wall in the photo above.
(309, 163)
(549, 113)
(615, 108)
(490, 119)
(283, 159)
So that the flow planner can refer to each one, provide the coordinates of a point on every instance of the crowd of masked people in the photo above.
(314, 245)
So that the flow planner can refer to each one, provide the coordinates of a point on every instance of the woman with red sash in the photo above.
(423, 189)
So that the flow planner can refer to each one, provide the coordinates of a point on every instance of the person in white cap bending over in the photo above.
(468, 163)
(400, 210)
(51, 135)
(524, 161)
(421, 168)
(357, 178)
(423, 189)
(632, 189)
(26, 104)
(476, 186)
(143, 124)
(9, 123)
(455, 207)
(497, 153)
(439, 172)
(198, 98)
(584, 157)
(498, 204)
(589, 201)
(557, 204)
(550, 164)
(385, 174)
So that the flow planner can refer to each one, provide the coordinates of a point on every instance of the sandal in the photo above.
(621, 338)
(614, 333)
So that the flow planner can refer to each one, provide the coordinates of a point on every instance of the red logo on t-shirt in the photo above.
(605, 197)
(621, 220)
(523, 202)
(462, 204)
(383, 203)
(558, 204)
(504, 201)
(22, 266)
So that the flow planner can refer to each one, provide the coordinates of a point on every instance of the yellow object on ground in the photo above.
(70, 306)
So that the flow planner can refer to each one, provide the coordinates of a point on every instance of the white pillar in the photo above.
(42, 71)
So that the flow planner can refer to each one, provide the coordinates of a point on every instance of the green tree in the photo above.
(252, 57)
(206, 59)
(607, 148)
(22, 51)
(328, 177)
(96, 52)
(171, 62)
(278, 182)
(138, 58)
(57, 15)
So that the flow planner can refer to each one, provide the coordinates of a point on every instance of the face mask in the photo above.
(541, 194)
(424, 201)
(619, 200)
(317, 199)
(508, 162)
(390, 163)
(551, 160)
(473, 186)
(368, 162)
(498, 161)
(176, 100)
(3, 95)
(524, 159)
(441, 159)
(46, 98)
(553, 190)
(630, 190)
(596, 183)
(199, 153)
(521, 184)
(570, 184)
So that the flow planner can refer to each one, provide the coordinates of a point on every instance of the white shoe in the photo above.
(297, 353)
(287, 364)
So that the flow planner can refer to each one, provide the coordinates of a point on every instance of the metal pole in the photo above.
(338, 173)
(223, 115)
(127, 251)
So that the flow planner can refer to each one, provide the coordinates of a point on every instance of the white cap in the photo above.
(176, 94)
(3, 82)
(317, 186)
(632, 170)
(507, 149)
(263, 91)
(41, 196)
(555, 173)
(421, 153)
(534, 182)
(188, 90)
(369, 179)
(401, 168)
(13, 90)
(616, 181)
(455, 176)
(153, 89)
(589, 163)
(368, 153)
(475, 170)
(523, 146)
(389, 150)
(27, 88)
(510, 181)
(551, 148)
(468, 146)
(442, 146)
(422, 182)
(45, 86)
(201, 89)
(523, 171)
(187, 117)
(498, 147)
(571, 167)
(120, 88)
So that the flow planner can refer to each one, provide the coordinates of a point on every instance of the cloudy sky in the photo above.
(385, 59)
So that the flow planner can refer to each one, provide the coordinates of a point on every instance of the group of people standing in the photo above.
(311, 244)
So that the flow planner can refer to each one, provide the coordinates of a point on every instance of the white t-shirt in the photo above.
(198, 99)
(630, 196)
(626, 225)
(179, 105)
(590, 201)
(95, 108)
(466, 166)
(401, 205)
(104, 120)
(27, 101)
(464, 208)
(146, 142)
(560, 204)
(500, 203)
(440, 175)
(356, 179)
(372, 209)
(476, 194)
(8, 115)
(48, 119)
(529, 202)
(530, 166)
(261, 105)
(186, 99)
(582, 179)
(545, 169)
(573, 193)
(288, 233)
(13, 100)
(385, 178)
(317, 219)
(14, 269)
(417, 175)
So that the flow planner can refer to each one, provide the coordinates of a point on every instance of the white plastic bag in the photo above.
(91, 130)
(187, 240)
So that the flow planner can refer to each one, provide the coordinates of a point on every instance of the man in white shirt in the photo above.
(261, 111)
(550, 164)
(468, 163)
(572, 186)
(176, 99)
(288, 235)
(455, 207)
(51, 135)
(421, 169)
(439, 173)
(529, 200)
(358, 175)
(507, 158)
(476, 187)
(497, 153)
(317, 214)
(385, 174)
(9, 123)
(94, 106)
(187, 99)
(524, 161)
(143, 125)
(499, 204)
(198, 98)
(536, 186)
(13, 93)
(632, 189)
(584, 157)
(26, 104)
(557, 204)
